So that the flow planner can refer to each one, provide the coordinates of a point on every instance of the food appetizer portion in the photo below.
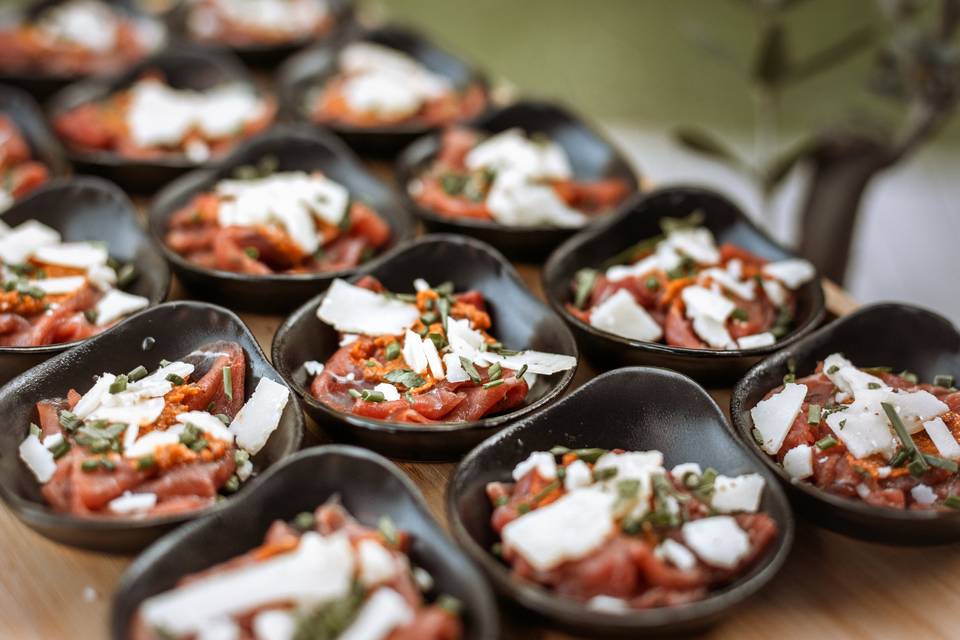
(513, 179)
(267, 222)
(20, 173)
(152, 120)
(379, 86)
(617, 531)
(323, 575)
(679, 288)
(421, 357)
(143, 443)
(251, 23)
(866, 433)
(75, 38)
(56, 291)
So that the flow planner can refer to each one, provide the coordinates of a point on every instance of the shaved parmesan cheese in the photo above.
(57, 286)
(681, 471)
(116, 304)
(463, 340)
(382, 612)
(38, 458)
(414, 353)
(320, 569)
(572, 527)
(512, 151)
(923, 494)
(433, 358)
(632, 465)
(676, 554)
(515, 200)
(719, 541)
(741, 289)
(756, 340)
(130, 435)
(79, 255)
(636, 270)
(942, 438)
(700, 301)
(915, 407)
(92, 398)
(772, 417)
(741, 493)
(146, 444)
(608, 604)
(313, 367)
(863, 432)
(577, 476)
(542, 461)
(798, 462)
(353, 309)
(621, 315)
(143, 412)
(260, 416)
(774, 291)
(713, 332)
(274, 624)
(52, 440)
(207, 423)
(132, 503)
(455, 370)
(377, 564)
(22, 241)
(348, 339)
(697, 244)
(793, 272)
(420, 284)
(390, 392)
(537, 362)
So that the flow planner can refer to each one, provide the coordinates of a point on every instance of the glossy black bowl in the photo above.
(367, 485)
(42, 85)
(44, 146)
(296, 148)
(639, 220)
(183, 67)
(268, 56)
(890, 334)
(519, 320)
(308, 70)
(177, 328)
(636, 409)
(592, 157)
(87, 209)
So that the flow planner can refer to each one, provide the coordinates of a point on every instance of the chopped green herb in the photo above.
(107, 463)
(813, 414)
(175, 379)
(199, 445)
(873, 385)
(251, 252)
(354, 393)
(444, 288)
(303, 521)
(497, 549)
(90, 464)
(126, 275)
(119, 384)
(137, 374)
(228, 383)
(943, 380)
(388, 530)
(899, 458)
(224, 418)
(232, 485)
(371, 363)
(146, 462)
(652, 283)
(607, 473)
(908, 376)
(584, 281)
(832, 370)
(941, 463)
(918, 465)
(393, 351)
(90, 315)
(59, 449)
(450, 604)
(35, 430)
(492, 384)
(522, 371)
(405, 377)
(438, 340)
(495, 371)
(952, 501)
(443, 306)
(470, 370)
(429, 318)
(740, 314)
(523, 508)
(372, 396)
(502, 500)
(241, 457)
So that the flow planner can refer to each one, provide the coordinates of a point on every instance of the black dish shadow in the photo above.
(299, 76)
(640, 220)
(177, 329)
(183, 67)
(296, 148)
(639, 408)
(367, 485)
(267, 56)
(897, 335)
(592, 157)
(43, 85)
(519, 320)
(44, 146)
(87, 209)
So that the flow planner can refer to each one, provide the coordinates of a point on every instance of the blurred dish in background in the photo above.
(20, 173)
(241, 23)
(75, 38)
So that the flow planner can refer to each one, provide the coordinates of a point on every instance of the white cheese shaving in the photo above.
(542, 461)
(696, 243)
(756, 340)
(207, 423)
(20, 242)
(377, 564)
(798, 462)
(515, 200)
(577, 476)
(739, 494)
(793, 272)
(863, 432)
(382, 612)
(390, 392)
(79, 255)
(313, 367)
(512, 151)
(676, 554)
(455, 370)
(274, 624)
(260, 416)
(719, 541)
(680, 471)
(772, 417)
(942, 438)
(58, 286)
(414, 353)
(132, 503)
(923, 494)
(740, 288)
(116, 304)
(353, 309)
(433, 358)
(621, 315)
(38, 458)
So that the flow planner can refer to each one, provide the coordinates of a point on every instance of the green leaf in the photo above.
(771, 65)
(705, 143)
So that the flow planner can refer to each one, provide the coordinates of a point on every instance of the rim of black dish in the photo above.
(574, 243)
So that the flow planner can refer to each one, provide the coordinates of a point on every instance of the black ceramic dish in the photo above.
(87, 209)
(42, 85)
(897, 335)
(295, 147)
(367, 485)
(306, 71)
(25, 113)
(640, 220)
(270, 55)
(184, 67)
(592, 157)
(520, 321)
(635, 409)
(177, 328)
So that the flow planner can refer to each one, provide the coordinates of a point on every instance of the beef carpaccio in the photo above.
(617, 531)
(142, 443)
(75, 38)
(153, 120)
(20, 173)
(867, 434)
(378, 86)
(55, 291)
(257, 23)
(681, 289)
(421, 357)
(265, 222)
(323, 576)
(512, 179)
